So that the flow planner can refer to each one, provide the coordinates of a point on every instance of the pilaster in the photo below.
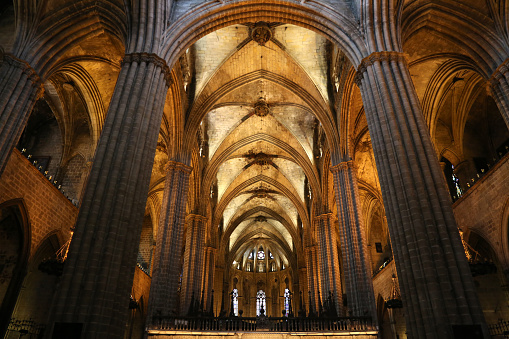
(194, 263)
(208, 279)
(329, 260)
(98, 273)
(435, 280)
(313, 275)
(166, 274)
(356, 265)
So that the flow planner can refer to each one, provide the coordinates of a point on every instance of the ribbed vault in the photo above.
(261, 119)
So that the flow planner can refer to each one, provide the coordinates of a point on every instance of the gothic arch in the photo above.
(91, 97)
(337, 24)
(461, 25)
(237, 219)
(63, 28)
(205, 104)
(437, 89)
(228, 196)
(20, 222)
(39, 286)
(300, 159)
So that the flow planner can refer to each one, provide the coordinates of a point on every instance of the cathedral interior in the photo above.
(254, 168)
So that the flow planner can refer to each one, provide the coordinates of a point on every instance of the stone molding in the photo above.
(178, 166)
(196, 217)
(152, 59)
(377, 57)
(25, 67)
(342, 166)
(211, 249)
(324, 216)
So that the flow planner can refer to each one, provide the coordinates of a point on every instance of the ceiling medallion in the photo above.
(261, 33)
(261, 108)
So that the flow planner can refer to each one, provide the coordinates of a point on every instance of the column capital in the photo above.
(374, 57)
(196, 217)
(324, 216)
(178, 166)
(31, 73)
(499, 73)
(211, 249)
(342, 166)
(150, 58)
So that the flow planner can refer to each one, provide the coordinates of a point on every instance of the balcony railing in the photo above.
(247, 324)
(500, 329)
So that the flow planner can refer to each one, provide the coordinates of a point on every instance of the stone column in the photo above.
(20, 87)
(329, 260)
(499, 88)
(208, 278)
(193, 261)
(99, 271)
(356, 262)
(435, 280)
(166, 273)
(313, 274)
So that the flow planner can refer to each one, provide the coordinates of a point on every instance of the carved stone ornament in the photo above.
(260, 218)
(261, 108)
(261, 33)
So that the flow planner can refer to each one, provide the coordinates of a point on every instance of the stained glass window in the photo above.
(261, 267)
(287, 301)
(261, 255)
(235, 296)
(456, 182)
(260, 303)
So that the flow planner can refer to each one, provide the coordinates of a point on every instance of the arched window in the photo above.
(287, 301)
(456, 183)
(261, 267)
(260, 303)
(235, 297)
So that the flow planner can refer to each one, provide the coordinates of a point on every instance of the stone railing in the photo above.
(246, 324)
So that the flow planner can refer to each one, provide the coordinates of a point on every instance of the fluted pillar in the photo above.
(98, 273)
(20, 87)
(356, 265)
(499, 88)
(328, 257)
(208, 278)
(435, 280)
(313, 275)
(166, 272)
(192, 272)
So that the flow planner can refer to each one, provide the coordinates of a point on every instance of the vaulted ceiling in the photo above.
(260, 135)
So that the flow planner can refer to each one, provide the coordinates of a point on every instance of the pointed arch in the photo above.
(14, 219)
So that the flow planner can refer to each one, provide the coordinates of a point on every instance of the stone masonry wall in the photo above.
(48, 209)
(482, 208)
